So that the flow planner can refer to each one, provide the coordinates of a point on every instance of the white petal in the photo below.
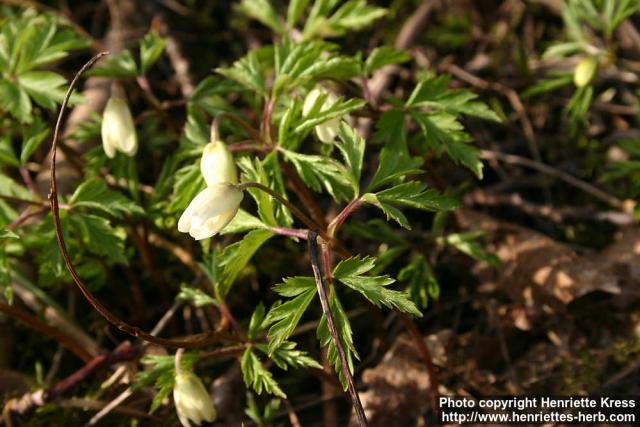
(328, 131)
(212, 226)
(211, 210)
(310, 101)
(118, 130)
(184, 223)
(217, 164)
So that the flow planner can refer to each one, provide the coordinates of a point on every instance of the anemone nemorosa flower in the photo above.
(118, 130)
(210, 211)
(192, 400)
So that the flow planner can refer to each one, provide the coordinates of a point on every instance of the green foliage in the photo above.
(286, 354)
(195, 296)
(263, 12)
(95, 195)
(257, 376)
(151, 48)
(236, 256)
(257, 104)
(29, 42)
(384, 55)
(284, 318)
(161, 375)
(345, 334)
(412, 194)
(320, 172)
(351, 272)
(422, 285)
(468, 242)
(327, 21)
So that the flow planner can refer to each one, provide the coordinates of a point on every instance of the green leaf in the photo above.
(299, 64)
(351, 273)
(94, 194)
(45, 87)
(188, 183)
(257, 323)
(468, 243)
(8, 234)
(263, 11)
(414, 194)
(253, 170)
(32, 136)
(444, 131)
(352, 148)
(294, 286)
(548, 85)
(352, 15)
(395, 161)
(295, 10)
(422, 284)
(151, 47)
(354, 266)
(336, 110)
(434, 93)
(242, 222)
(384, 55)
(389, 210)
(345, 335)
(236, 256)
(98, 236)
(7, 154)
(284, 317)
(196, 296)
(247, 72)
(321, 171)
(256, 376)
(15, 100)
(286, 355)
(393, 166)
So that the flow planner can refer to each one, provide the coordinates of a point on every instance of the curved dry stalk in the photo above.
(186, 342)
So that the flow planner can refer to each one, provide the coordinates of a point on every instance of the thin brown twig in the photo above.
(324, 302)
(548, 170)
(40, 326)
(186, 342)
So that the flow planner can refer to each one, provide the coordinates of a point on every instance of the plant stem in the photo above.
(294, 210)
(21, 200)
(186, 342)
(290, 232)
(337, 222)
(324, 301)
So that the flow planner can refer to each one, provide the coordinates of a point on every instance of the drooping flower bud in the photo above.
(118, 130)
(217, 164)
(192, 400)
(210, 211)
(585, 71)
(328, 130)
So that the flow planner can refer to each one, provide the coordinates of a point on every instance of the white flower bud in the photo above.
(328, 130)
(118, 130)
(192, 399)
(217, 164)
(210, 211)
(585, 71)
